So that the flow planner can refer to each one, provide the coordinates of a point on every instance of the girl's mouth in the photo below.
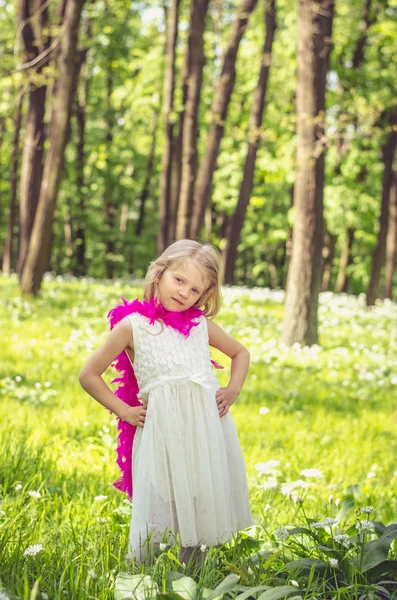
(175, 300)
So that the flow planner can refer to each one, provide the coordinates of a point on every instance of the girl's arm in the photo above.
(90, 376)
(239, 368)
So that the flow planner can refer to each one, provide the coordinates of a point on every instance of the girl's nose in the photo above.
(183, 293)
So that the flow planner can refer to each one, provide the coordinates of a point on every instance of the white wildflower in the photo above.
(269, 484)
(163, 546)
(267, 468)
(314, 473)
(334, 562)
(328, 522)
(34, 494)
(371, 475)
(18, 487)
(92, 574)
(343, 539)
(364, 525)
(99, 498)
(282, 534)
(367, 509)
(203, 547)
(294, 583)
(250, 571)
(33, 550)
(287, 488)
(263, 410)
(18, 378)
(101, 519)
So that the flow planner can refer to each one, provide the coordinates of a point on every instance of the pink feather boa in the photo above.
(128, 389)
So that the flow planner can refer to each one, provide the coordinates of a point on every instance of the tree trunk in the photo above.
(109, 206)
(254, 137)
(305, 269)
(149, 174)
(328, 255)
(202, 190)
(193, 76)
(169, 86)
(346, 259)
(80, 267)
(36, 41)
(391, 243)
(39, 250)
(8, 254)
(388, 151)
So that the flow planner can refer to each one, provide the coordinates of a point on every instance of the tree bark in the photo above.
(39, 250)
(35, 133)
(391, 243)
(388, 151)
(169, 86)
(149, 174)
(80, 267)
(254, 136)
(328, 255)
(108, 200)
(8, 254)
(305, 270)
(193, 76)
(346, 259)
(202, 190)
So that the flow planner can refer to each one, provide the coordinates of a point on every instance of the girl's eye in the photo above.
(178, 280)
(195, 291)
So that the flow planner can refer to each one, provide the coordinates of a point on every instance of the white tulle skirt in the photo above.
(189, 475)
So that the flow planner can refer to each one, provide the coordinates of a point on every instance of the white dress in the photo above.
(189, 475)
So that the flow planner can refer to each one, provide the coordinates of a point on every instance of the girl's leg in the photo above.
(192, 554)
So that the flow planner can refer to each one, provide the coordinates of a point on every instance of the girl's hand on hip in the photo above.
(135, 415)
(224, 399)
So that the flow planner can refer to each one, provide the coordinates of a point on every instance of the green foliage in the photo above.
(316, 425)
(125, 44)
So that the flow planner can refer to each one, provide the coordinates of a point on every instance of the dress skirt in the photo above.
(189, 475)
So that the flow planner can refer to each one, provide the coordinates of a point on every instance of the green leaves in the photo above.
(375, 552)
(179, 587)
(138, 587)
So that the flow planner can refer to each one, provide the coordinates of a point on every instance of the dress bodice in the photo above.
(163, 354)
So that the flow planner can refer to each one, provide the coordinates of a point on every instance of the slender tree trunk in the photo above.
(109, 206)
(305, 269)
(254, 137)
(193, 76)
(36, 41)
(8, 255)
(202, 190)
(388, 151)
(39, 250)
(346, 259)
(149, 174)
(80, 267)
(328, 255)
(169, 86)
(391, 243)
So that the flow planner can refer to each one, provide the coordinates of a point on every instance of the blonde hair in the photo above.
(204, 256)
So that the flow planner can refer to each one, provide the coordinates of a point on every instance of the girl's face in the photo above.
(180, 287)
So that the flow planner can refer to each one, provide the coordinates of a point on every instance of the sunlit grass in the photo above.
(331, 407)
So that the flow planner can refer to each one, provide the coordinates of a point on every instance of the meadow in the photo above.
(317, 427)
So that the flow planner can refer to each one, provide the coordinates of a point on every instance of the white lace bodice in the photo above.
(162, 354)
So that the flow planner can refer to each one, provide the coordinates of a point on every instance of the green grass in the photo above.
(332, 408)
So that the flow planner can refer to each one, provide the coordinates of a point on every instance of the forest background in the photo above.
(124, 125)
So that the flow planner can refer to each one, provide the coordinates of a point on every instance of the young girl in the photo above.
(189, 474)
